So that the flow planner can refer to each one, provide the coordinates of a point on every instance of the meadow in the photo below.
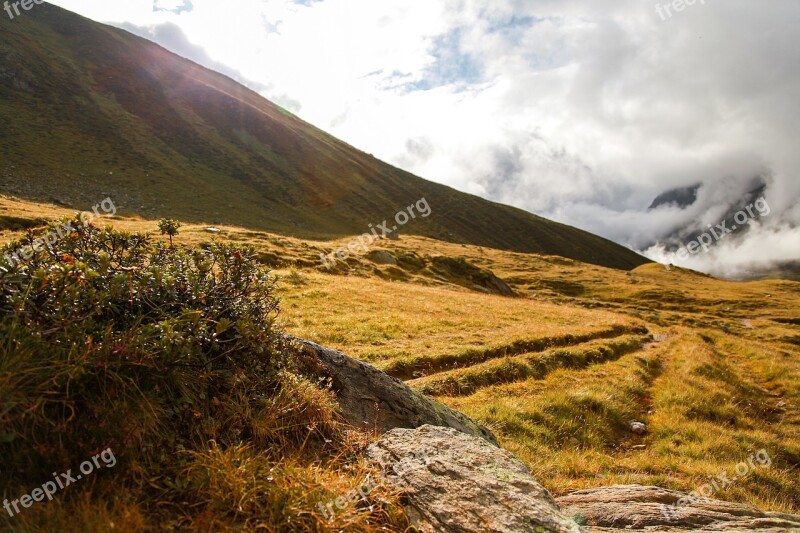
(561, 367)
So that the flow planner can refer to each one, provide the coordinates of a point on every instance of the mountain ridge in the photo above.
(112, 114)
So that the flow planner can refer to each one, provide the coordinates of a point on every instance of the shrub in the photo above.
(169, 227)
(160, 353)
(120, 330)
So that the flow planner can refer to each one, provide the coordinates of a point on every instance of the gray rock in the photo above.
(637, 427)
(370, 398)
(382, 257)
(481, 289)
(640, 508)
(497, 285)
(463, 484)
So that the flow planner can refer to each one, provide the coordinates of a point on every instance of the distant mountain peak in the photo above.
(681, 197)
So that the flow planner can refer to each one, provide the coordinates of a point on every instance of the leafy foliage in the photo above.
(169, 227)
(160, 353)
(116, 324)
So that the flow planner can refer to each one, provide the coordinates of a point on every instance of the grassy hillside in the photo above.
(173, 358)
(711, 367)
(559, 369)
(89, 111)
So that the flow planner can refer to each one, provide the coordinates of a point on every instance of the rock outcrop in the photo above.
(639, 508)
(453, 482)
(382, 257)
(462, 272)
(454, 477)
(370, 398)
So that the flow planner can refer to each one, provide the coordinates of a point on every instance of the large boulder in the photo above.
(369, 398)
(639, 508)
(453, 482)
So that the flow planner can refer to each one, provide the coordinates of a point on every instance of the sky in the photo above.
(582, 111)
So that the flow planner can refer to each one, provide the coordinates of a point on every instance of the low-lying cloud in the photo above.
(582, 111)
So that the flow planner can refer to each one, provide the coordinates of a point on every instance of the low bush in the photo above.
(172, 358)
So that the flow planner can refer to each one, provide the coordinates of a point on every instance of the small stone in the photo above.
(637, 427)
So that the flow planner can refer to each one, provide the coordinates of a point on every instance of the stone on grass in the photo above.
(453, 482)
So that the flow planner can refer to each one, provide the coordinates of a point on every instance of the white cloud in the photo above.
(579, 110)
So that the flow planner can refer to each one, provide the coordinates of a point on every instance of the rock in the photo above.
(59, 201)
(382, 257)
(639, 508)
(370, 398)
(459, 270)
(497, 285)
(637, 427)
(463, 484)
(213, 230)
(454, 477)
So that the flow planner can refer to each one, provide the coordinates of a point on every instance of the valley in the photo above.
(251, 346)
(559, 369)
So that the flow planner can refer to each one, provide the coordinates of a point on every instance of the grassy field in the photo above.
(560, 369)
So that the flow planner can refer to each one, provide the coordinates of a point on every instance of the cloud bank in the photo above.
(582, 111)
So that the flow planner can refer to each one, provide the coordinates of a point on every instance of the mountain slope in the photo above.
(90, 111)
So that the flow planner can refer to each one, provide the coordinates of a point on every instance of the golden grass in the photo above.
(466, 381)
(706, 407)
(722, 382)
(385, 322)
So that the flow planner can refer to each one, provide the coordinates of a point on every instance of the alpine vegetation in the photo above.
(56, 233)
(60, 481)
(172, 357)
(720, 483)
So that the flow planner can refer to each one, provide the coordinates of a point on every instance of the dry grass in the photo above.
(722, 382)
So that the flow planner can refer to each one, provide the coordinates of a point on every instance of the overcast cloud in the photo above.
(582, 111)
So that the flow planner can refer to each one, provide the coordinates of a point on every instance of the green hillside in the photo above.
(89, 111)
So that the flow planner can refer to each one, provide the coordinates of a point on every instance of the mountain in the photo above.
(90, 111)
(681, 197)
(684, 198)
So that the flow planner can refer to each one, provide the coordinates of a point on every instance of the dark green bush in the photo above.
(171, 358)
(107, 339)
